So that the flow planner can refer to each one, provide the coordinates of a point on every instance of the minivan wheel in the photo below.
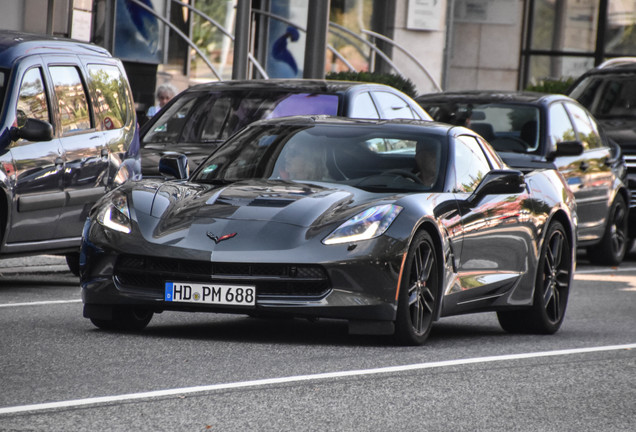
(612, 248)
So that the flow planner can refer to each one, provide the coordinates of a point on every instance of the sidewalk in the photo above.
(33, 264)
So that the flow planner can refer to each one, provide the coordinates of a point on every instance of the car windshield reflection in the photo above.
(364, 157)
(212, 117)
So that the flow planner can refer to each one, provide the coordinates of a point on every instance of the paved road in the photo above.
(216, 372)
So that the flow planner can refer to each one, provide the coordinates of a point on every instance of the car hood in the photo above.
(299, 204)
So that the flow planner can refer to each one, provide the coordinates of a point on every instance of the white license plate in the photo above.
(188, 292)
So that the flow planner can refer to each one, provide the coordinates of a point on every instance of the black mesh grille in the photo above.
(149, 274)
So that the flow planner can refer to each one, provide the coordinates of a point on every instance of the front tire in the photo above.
(125, 318)
(552, 288)
(419, 292)
(72, 260)
(612, 248)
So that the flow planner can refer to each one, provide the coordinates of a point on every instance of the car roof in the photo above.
(15, 45)
(484, 96)
(612, 69)
(296, 85)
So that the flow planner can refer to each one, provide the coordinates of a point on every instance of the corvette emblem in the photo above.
(218, 239)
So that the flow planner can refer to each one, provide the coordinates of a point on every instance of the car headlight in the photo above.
(115, 213)
(369, 224)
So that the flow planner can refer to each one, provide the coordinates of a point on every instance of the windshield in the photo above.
(608, 96)
(507, 127)
(4, 78)
(215, 116)
(369, 157)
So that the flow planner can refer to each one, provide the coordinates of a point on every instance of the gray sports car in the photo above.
(389, 225)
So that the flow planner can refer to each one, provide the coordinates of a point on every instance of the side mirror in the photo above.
(32, 130)
(566, 148)
(499, 182)
(174, 165)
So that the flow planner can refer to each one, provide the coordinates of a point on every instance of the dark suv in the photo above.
(68, 133)
(534, 131)
(609, 93)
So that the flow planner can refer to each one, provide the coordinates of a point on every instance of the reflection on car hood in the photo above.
(300, 204)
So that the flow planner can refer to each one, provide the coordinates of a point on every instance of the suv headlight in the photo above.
(115, 214)
(366, 225)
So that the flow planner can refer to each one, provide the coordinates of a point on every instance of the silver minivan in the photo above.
(68, 134)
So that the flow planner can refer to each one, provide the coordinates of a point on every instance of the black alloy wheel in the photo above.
(551, 291)
(419, 292)
(612, 248)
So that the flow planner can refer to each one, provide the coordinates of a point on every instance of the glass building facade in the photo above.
(564, 38)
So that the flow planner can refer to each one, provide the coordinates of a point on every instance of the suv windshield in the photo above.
(507, 127)
(608, 95)
(366, 157)
(214, 116)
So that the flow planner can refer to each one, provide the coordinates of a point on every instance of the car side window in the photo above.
(392, 106)
(71, 98)
(363, 107)
(471, 164)
(32, 97)
(559, 124)
(588, 134)
(112, 106)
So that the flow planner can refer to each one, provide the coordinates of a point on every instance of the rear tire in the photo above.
(551, 291)
(125, 318)
(612, 248)
(419, 292)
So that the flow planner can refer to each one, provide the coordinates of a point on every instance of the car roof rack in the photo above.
(616, 61)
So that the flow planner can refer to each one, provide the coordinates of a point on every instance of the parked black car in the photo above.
(389, 225)
(527, 128)
(68, 134)
(609, 93)
(200, 118)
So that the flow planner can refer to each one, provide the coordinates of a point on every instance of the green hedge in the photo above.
(397, 81)
(548, 85)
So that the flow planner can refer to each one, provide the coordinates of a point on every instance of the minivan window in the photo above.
(4, 76)
(32, 97)
(71, 98)
(111, 106)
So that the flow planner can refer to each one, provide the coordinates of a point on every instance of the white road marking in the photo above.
(629, 280)
(301, 378)
(39, 303)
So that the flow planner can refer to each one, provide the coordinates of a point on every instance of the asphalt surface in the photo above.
(229, 372)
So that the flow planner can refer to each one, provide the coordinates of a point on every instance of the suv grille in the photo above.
(149, 274)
